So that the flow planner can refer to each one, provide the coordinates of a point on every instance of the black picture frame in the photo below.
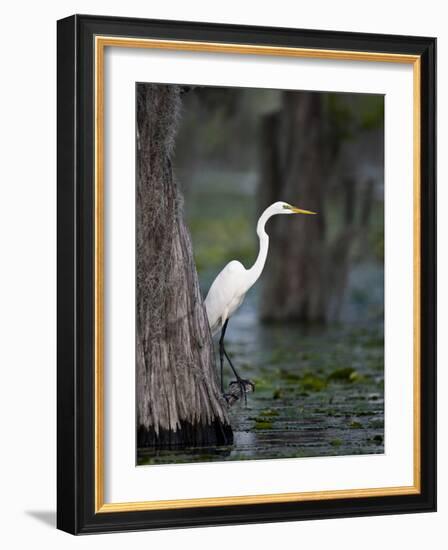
(76, 263)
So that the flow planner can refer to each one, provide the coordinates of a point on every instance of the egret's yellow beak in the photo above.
(300, 211)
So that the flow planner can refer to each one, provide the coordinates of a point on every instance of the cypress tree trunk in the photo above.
(304, 162)
(178, 398)
(293, 170)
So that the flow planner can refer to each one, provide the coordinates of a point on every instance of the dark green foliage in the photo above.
(344, 374)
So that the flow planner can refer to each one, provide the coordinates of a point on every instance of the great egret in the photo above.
(230, 286)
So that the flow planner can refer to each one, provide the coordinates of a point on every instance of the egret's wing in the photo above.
(223, 293)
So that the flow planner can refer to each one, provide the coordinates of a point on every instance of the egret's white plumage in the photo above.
(225, 295)
(227, 291)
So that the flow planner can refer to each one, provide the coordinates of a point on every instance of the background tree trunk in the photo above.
(293, 170)
(178, 399)
(307, 162)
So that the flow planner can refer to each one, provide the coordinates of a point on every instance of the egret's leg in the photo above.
(243, 384)
(222, 352)
(221, 359)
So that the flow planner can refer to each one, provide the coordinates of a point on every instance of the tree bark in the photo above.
(178, 398)
(293, 170)
(306, 163)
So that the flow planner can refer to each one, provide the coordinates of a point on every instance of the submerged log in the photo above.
(178, 397)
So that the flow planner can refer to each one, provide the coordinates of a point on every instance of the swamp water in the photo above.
(319, 391)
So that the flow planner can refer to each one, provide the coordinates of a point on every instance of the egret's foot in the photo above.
(239, 388)
(231, 398)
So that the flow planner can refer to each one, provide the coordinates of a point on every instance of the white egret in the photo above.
(228, 290)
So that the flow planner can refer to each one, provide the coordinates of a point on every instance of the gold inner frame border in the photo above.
(100, 43)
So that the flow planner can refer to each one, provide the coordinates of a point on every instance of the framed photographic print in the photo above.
(246, 274)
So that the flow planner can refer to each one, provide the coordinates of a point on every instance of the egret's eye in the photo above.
(287, 207)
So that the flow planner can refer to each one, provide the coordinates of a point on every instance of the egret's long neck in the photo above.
(256, 270)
